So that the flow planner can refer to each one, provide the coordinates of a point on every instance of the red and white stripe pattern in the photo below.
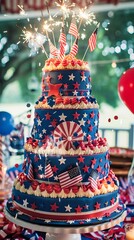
(53, 50)
(73, 28)
(66, 130)
(93, 179)
(62, 41)
(93, 39)
(7, 229)
(48, 171)
(30, 172)
(70, 177)
(12, 5)
(74, 48)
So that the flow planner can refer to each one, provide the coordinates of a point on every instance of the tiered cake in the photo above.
(67, 178)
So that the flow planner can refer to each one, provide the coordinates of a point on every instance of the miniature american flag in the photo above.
(74, 48)
(93, 179)
(70, 177)
(73, 28)
(93, 39)
(30, 172)
(53, 49)
(62, 41)
(48, 171)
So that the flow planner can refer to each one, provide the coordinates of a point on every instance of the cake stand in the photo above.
(55, 232)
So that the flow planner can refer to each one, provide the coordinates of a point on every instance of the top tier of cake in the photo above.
(66, 77)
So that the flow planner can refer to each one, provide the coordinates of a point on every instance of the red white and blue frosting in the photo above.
(66, 177)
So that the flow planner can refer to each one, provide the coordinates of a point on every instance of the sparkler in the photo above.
(36, 40)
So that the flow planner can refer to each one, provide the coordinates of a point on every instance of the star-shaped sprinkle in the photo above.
(62, 160)
(25, 203)
(48, 116)
(48, 78)
(97, 206)
(80, 159)
(71, 77)
(62, 117)
(112, 201)
(68, 208)
(87, 86)
(85, 168)
(40, 135)
(106, 203)
(90, 128)
(93, 161)
(75, 93)
(92, 115)
(60, 76)
(54, 89)
(99, 169)
(85, 115)
(54, 122)
(40, 167)
(82, 122)
(83, 78)
(78, 209)
(76, 115)
(76, 85)
(54, 207)
(54, 168)
(44, 131)
(39, 122)
(33, 206)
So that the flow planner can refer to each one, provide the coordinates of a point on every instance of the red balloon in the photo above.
(126, 88)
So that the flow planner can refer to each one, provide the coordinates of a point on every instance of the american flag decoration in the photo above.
(30, 172)
(73, 28)
(48, 171)
(70, 177)
(74, 48)
(62, 41)
(93, 179)
(93, 39)
(53, 50)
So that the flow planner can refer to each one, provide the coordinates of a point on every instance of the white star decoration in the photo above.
(68, 208)
(95, 122)
(75, 93)
(62, 160)
(88, 94)
(71, 77)
(34, 131)
(40, 167)
(56, 178)
(82, 122)
(83, 77)
(25, 203)
(39, 122)
(87, 86)
(40, 135)
(85, 115)
(44, 130)
(62, 117)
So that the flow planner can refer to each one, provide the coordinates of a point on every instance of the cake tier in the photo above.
(66, 208)
(47, 202)
(69, 82)
(66, 126)
(35, 159)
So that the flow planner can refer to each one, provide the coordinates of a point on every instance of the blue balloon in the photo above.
(6, 123)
